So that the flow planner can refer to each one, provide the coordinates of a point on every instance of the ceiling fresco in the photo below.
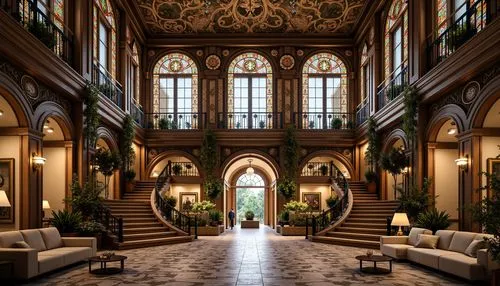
(250, 16)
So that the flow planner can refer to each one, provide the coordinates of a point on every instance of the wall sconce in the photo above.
(463, 163)
(405, 170)
(1, 112)
(37, 161)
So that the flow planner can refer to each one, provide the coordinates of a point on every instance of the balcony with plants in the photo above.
(250, 120)
(362, 111)
(324, 120)
(137, 113)
(393, 87)
(175, 121)
(106, 85)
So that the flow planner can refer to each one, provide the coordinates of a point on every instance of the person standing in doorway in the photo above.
(230, 215)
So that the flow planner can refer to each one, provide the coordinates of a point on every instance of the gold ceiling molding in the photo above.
(250, 16)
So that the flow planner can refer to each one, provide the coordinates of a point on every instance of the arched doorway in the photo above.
(113, 184)
(245, 191)
(389, 182)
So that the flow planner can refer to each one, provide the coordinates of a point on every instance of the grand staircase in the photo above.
(366, 222)
(140, 226)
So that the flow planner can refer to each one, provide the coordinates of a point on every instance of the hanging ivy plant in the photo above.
(208, 152)
(372, 153)
(213, 188)
(291, 158)
(287, 187)
(126, 151)
(411, 102)
(91, 115)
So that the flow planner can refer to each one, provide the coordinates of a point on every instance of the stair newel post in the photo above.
(314, 225)
(331, 169)
(120, 229)
(307, 227)
(169, 167)
(195, 227)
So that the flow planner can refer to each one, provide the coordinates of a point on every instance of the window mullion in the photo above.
(250, 107)
(324, 101)
(175, 98)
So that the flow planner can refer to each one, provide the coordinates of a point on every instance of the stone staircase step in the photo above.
(378, 231)
(141, 224)
(367, 225)
(365, 220)
(152, 235)
(127, 220)
(347, 242)
(154, 242)
(144, 230)
(350, 235)
(145, 215)
(370, 215)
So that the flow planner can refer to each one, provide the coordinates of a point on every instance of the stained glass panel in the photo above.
(104, 7)
(397, 11)
(250, 181)
(441, 15)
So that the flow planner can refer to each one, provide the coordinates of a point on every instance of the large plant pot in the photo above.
(250, 224)
(371, 187)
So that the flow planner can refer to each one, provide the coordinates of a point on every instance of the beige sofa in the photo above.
(449, 256)
(48, 250)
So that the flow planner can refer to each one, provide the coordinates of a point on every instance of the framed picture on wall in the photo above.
(313, 200)
(187, 200)
(493, 167)
(7, 185)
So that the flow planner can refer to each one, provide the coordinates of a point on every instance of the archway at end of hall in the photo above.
(249, 180)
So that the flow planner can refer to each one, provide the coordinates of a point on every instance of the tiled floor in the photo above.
(247, 257)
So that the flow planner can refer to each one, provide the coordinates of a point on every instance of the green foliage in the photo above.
(90, 228)
(416, 201)
(297, 219)
(107, 161)
(203, 206)
(411, 101)
(370, 176)
(332, 200)
(336, 123)
(43, 32)
(394, 90)
(433, 220)
(291, 148)
(91, 114)
(284, 216)
(372, 153)
(213, 188)
(487, 212)
(130, 175)
(324, 169)
(286, 187)
(296, 206)
(127, 137)
(262, 124)
(215, 215)
(66, 222)
(250, 199)
(171, 200)
(249, 215)
(85, 200)
(394, 162)
(208, 153)
(177, 169)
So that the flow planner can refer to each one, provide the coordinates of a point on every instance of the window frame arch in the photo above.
(105, 15)
(393, 21)
(261, 183)
(336, 70)
(190, 70)
(237, 69)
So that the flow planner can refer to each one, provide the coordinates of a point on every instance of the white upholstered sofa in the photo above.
(449, 255)
(47, 250)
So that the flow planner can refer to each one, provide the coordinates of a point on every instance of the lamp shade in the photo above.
(400, 219)
(45, 205)
(4, 201)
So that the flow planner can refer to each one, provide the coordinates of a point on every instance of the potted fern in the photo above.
(433, 220)
(177, 169)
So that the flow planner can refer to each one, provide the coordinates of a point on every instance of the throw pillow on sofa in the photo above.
(20, 244)
(414, 232)
(474, 246)
(51, 237)
(427, 241)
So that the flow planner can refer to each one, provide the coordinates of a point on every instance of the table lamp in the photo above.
(45, 206)
(4, 201)
(400, 219)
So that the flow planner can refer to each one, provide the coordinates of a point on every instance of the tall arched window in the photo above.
(365, 74)
(105, 37)
(135, 76)
(396, 41)
(250, 92)
(175, 92)
(54, 10)
(449, 12)
(324, 93)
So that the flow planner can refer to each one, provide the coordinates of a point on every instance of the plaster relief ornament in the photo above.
(30, 87)
(199, 53)
(212, 62)
(470, 91)
(225, 53)
(274, 53)
(287, 62)
(300, 53)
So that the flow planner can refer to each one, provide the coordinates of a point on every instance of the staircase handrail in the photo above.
(338, 211)
(167, 211)
(113, 224)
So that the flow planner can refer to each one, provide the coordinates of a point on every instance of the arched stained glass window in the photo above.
(324, 92)
(105, 39)
(175, 92)
(250, 181)
(364, 73)
(451, 11)
(135, 75)
(396, 39)
(250, 92)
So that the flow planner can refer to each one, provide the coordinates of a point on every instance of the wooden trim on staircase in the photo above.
(161, 219)
(342, 218)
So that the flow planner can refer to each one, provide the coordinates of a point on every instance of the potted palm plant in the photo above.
(68, 223)
(324, 169)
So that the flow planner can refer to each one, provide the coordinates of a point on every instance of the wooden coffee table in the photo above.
(374, 259)
(104, 270)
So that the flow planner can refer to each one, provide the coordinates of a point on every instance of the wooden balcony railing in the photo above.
(389, 90)
(250, 120)
(41, 26)
(324, 120)
(175, 121)
(107, 85)
(459, 32)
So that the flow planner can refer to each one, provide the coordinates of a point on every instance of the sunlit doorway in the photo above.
(250, 191)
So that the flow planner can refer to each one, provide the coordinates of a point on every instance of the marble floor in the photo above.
(247, 257)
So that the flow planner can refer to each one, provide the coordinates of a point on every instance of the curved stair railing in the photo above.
(331, 216)
(167, 211)
(112, 223)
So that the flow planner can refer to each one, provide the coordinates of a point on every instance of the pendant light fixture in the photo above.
(250, 170)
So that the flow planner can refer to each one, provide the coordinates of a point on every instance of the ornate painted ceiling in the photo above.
(250, 16)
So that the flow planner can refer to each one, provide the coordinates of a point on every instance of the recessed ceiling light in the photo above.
(452, 131)
(50, 130)
(46, 125)
(1, 112)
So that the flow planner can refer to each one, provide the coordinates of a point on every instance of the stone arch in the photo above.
(108, 137)
(329, 153)
(392, 137)
(489, 94)
(55, 111)
(450, 111)
(162, 156)
(250, 152)
(17, 101)
(227, 62)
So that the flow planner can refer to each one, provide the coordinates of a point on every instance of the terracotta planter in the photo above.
(371, 187)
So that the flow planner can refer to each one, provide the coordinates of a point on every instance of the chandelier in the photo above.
(250, 170)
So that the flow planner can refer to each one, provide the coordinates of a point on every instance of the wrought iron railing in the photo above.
(332, 215)
(41, 26)
(465, 27)
(137, 113)
(169, 212)
(107, 85)
(390, 89)
(324, 120)
(175, 121)
(250, 120)
(112, 223)
(363, 111)
(312, 169)
(186, 169)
